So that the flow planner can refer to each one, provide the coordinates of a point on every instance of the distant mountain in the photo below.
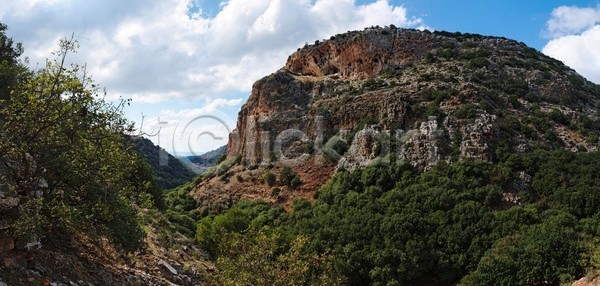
(170, 171)
(202, 162)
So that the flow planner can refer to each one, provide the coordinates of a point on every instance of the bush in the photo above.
(543, 254)
(95, 179)
(295, 182)
(466, 111)
(265, 258)
(269, 178)
(221, 159)
(286, 175)
(558, 117)
(275, 192)
(394, 225)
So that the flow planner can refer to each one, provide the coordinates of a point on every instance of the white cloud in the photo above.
(160, 50)
(192, 131)
(215, 104)
(580, 52)
(568, 20)
(575, 39)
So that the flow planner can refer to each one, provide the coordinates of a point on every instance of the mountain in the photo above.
(403, 157)
(422, 97)
(202, 162)
(170, 171)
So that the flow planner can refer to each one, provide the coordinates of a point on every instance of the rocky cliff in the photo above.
(424, 97)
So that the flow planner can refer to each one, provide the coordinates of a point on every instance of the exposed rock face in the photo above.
(476, 137)
(421, 149)
(364, 148)
(362, 55)
(587, 282)
(423, 97)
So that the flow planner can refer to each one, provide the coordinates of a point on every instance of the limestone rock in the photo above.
(421, 149)
(363, 150)
(423, 96)
(585, 281)
(167, 267)
(8, 203)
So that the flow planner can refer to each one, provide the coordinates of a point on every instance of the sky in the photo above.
(189, 65)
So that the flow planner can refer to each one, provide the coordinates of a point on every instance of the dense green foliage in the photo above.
(289, 178)
(264, 258)
(11, 68)
(76, 139)
(181, 210)
(393, 225)
(242, 243)
(547, 251)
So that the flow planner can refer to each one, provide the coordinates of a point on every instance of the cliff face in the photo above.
(361, 97)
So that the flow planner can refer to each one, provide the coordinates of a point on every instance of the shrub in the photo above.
(269, 178)
(466, 111)
(295, 182)
(286, 176)
(275, 192)
(558, 117)
(220, 159)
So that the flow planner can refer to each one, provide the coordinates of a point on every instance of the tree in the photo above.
(543, 254)
(11, 69)
(77, 140)
(288, 178)
(265, 258)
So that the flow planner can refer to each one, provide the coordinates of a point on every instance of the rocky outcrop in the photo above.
(362, 55)
(420, 96)
(366, 146)
(476, 137)
(587, 282)
(421, 148)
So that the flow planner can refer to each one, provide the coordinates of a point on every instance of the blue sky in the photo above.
(524, 21)
(187, 63)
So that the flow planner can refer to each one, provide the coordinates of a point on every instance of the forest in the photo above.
(394, 225)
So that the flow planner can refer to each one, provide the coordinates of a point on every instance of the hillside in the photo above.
(420, 96)
(403, 157)
(169, 174)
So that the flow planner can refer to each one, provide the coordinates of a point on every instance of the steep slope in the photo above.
(170, 172)
(423, 97)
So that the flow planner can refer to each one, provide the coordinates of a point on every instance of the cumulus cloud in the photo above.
(192, 131)
(162, 51)
(568, 20)
(579, 52)
(159, 50)
(575, 39)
